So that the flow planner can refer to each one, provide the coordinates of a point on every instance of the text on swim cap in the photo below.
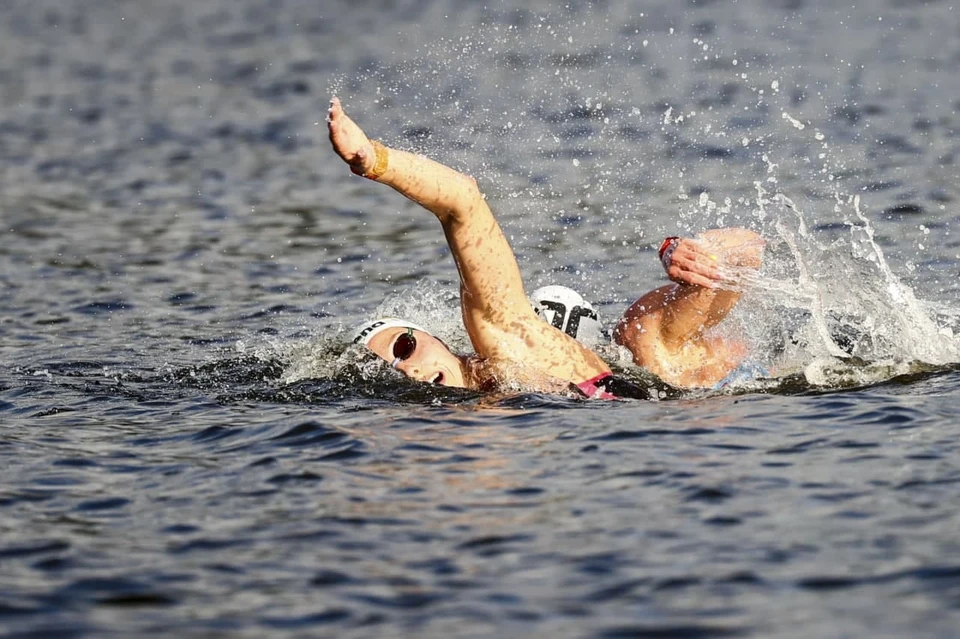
(368, 330)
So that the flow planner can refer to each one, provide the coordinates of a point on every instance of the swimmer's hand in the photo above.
(348, 140)
(691, 262)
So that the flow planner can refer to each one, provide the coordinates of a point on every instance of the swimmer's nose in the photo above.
(410, 370)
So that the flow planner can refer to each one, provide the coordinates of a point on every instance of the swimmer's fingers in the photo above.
(348, 140)
(691, 263)
(690, 277)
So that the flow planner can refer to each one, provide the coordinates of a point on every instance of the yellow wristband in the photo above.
(380, 164)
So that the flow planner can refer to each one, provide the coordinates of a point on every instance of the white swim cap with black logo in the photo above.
(565, 309)
(365, 332)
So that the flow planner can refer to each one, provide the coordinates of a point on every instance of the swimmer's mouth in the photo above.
(437, 379)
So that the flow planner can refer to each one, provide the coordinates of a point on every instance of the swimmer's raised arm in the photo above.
(489, 273)
(497, 315)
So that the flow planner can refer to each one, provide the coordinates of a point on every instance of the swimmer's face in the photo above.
(423, 358)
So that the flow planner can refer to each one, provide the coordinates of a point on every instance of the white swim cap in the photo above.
(565, 309)
(365, 332)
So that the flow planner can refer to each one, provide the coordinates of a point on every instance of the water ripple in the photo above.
(177, 235)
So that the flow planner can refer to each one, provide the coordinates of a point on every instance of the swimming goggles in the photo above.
(404, 347)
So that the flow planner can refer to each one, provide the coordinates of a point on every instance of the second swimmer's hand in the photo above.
(348, 140)
(690, 262)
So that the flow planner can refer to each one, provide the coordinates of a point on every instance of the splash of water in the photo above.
(836, 310)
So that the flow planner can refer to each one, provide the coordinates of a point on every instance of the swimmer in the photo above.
(665, 330)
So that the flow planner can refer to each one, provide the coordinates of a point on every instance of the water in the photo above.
(188, 449)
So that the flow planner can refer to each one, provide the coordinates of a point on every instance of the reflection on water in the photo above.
(189, 448)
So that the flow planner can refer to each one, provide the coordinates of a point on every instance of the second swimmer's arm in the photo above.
(672, 315)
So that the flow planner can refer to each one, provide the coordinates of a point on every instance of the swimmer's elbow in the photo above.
(635, 336)
(466, 201)
(471, 188)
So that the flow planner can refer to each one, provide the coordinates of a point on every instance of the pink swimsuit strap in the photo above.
(591, 389)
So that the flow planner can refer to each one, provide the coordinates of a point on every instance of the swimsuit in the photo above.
(609, 386)
(596, 387)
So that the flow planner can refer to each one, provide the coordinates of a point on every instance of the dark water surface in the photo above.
(187, 449)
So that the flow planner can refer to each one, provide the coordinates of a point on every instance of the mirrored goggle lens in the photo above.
(404, 346)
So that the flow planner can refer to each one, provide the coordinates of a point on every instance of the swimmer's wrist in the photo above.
(381, 160)
(667, 248)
